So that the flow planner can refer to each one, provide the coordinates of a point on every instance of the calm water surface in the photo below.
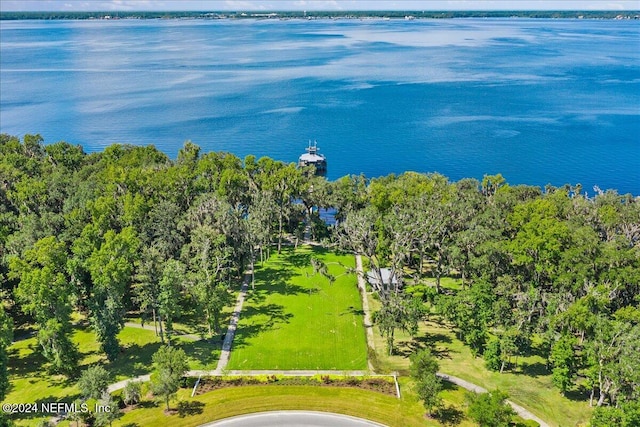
(540, 101)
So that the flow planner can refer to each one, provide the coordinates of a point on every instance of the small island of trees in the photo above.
(91, 242)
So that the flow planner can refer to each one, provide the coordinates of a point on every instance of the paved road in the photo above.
(122, 384)
(293, 419)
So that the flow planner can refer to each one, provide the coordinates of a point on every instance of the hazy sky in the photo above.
(222, 5)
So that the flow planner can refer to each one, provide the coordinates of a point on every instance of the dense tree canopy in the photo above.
(128, 230)
(45, 292)
(554, 265)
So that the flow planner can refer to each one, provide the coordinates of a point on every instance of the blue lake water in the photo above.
(540, 101)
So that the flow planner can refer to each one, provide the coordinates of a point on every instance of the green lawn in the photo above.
(528, 385)
(228, 402)
(28, 383)
(295, 319)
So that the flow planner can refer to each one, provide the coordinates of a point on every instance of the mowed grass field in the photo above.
(295, 319)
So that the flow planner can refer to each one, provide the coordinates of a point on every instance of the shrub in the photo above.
(93, 382)
(352, 381)
(132, 392)
(490, 409)
(189, 382)
(492, 355)
(235, 381)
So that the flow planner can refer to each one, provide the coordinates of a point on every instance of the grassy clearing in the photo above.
(137, 347)
(295, 319)
(28, 383)
(190, 321)
(528, 385)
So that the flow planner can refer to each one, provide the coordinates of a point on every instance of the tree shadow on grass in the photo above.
(147, 404)
(275, 315)
(134, 360)
(579, 394)
(269, 275)
(206, 352)
(274, 312)
(24, 333)
(538, 349)
(430, 341)
(24, 366)
(271, 281)
(191, 318)
(532, 369)
(63, 381)
(275, 277)
(274, 280)
(302, 257)
(298, 259)
(352, 310)
(450, 415)
(448, 385)
(194, 407)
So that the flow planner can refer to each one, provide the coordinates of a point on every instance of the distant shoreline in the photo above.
(404, 15)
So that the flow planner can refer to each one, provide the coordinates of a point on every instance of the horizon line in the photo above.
(322, 11)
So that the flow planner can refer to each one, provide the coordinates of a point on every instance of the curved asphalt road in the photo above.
(293, 419)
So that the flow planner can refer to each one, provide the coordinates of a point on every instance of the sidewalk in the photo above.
(233, 325)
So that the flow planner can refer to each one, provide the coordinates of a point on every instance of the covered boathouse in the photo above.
(313, 158)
